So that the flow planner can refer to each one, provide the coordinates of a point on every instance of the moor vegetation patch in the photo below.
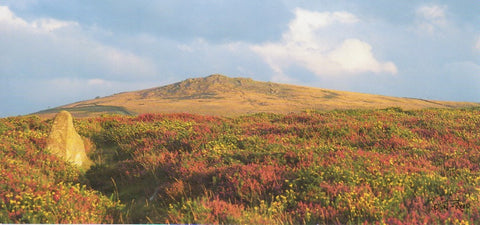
(342, 166)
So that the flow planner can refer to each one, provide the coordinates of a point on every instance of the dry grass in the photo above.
(221, 95)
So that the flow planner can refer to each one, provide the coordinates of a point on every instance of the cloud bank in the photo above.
(305, 44)
(53, 48)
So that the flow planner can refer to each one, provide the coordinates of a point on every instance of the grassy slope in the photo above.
(221, 95)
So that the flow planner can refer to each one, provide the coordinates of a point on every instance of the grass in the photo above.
(221, 95)
(88, 110)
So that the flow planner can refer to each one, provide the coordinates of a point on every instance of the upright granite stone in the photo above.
(65, 142)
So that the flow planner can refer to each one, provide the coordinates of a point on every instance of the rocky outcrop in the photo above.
(66, 143)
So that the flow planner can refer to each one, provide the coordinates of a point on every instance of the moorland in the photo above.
(388, 165)
(225, 96)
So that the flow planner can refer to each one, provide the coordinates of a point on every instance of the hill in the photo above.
(222, 95)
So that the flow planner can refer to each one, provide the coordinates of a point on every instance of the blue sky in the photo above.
(56, 52)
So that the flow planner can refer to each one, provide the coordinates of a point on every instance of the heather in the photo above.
(38, 187)
(315, 167)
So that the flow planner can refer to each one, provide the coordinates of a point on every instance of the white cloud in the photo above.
(302, 28)
(356, 56)
(56, 48)
(10, 20)
(7, 17)
(431, 17)
(50, 25)
(306, 44)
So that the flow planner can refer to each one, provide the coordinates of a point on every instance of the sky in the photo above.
(55, 52)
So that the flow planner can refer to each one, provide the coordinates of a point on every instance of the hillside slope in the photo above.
(222, 95)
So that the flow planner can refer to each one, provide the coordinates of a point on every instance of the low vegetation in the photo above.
(342, 166)
(37, 187)
(87, 110)
(224, 96)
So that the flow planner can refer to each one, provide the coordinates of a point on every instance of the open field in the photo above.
(314, 167)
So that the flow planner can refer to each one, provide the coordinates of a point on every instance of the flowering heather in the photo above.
(350, 166)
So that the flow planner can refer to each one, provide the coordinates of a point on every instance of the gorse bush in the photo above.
(350, 166)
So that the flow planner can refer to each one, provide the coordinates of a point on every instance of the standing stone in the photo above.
(65, 142)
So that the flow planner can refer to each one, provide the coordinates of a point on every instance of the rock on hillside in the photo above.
(66, 143)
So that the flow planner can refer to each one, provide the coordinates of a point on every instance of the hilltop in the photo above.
(222, 95)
